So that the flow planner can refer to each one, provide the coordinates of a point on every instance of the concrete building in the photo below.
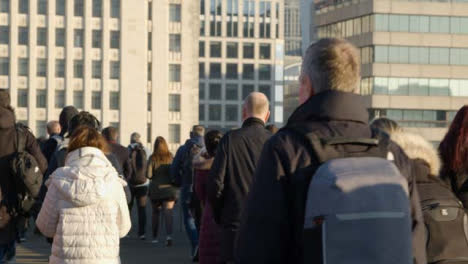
(414, 57)
(292, 28)
(241, 50)
(130, 63)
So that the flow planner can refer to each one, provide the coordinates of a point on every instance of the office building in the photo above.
(130, 63)
(414, 57)
(241, 49)
(292, 28)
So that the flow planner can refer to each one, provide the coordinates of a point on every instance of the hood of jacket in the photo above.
(7, 118)
(416, 147)
(85, 178)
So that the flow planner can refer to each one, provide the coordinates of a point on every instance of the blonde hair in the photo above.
(332, 64)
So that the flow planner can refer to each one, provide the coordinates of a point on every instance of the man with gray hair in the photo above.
(272, 230)
(233, 169)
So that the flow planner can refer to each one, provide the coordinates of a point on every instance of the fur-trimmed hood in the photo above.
(416, 147)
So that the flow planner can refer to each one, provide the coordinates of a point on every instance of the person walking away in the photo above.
(210, 232)
(331, 113)
(53, 132)
(233, 170)
(56, 139)
(85, 209)
(138, 181)
(10, 136)
(162, 193)
(444, 214)
(182, 174)
(111, 134)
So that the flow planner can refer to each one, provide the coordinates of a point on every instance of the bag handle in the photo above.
(20, 138)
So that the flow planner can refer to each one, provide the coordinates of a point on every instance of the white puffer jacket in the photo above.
(85, 210)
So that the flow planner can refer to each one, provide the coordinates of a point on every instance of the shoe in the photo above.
(195, 255)
(169, 242)
(142, 237)
(155, 241)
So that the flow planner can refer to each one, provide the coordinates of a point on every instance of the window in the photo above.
(96, 100)
(246, 90)
(202, 28)
(201, 91)
(114, 100)
(201, 70)
(249, 29)
(4, 6)
(97, 39)
(232, 49)
(214, 112)
(150, 10)
(215, 91)
(265, 51)
(232, 92)
(22, 98)
(78, 38)
(174, 42)
(231, 71)
(4, 35)
(439, 56)
(78, 69)
(149, 132)
(115, 39)
(42, 36)
(174, 73)
(78, 8)
(150, 41)
(174, 13)
(149, 72)
(97, 69)
(60, 99)
(41, 98)
(265, 89)
(202, 7)
(439, 24)
(201, 112)
(249, 50)
(232, 30)
(232, 7)
(42, 67)
(215, 70)
(201, 49)
(248, 72)
(60, 7)
(4, 66)
(215, 49)
(23, 35)
(60, 37)
(232, 113)
(174, 102)
(60, 68)
(115, 8)
(264, 72)
(78, 99)
(381, 54)
(174, 133)
(97, 8)
(23, 67)
(41, 7)
(23, 6)
(149, 101)
(115, 69)
(41, 129)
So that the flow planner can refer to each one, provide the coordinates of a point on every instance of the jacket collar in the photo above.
(331, 105)
(253, 121)
(87, 155)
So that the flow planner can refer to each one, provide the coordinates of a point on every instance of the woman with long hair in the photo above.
(209, 231)
(453, 151)
(85, 209)
(162, 193)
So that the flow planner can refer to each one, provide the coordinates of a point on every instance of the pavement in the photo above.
(132, 250)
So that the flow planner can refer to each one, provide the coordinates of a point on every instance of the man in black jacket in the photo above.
(272, 226)
(111, 135)
(233, 170)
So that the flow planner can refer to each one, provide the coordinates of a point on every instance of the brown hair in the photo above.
(85, 136)
(161, 153)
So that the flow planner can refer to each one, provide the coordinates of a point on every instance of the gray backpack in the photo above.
(357, 207)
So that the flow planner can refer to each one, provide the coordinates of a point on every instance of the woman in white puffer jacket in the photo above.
(85, 209)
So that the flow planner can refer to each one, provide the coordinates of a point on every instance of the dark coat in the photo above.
(231, 177)
(160, 187)
(274, 217)
(50, 146)
(7, 148)
(122, 155)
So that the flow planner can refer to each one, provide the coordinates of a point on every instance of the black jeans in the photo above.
(140, 194)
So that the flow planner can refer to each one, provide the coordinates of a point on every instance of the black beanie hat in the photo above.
(68, 112)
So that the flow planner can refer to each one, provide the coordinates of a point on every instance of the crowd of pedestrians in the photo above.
(328, 187)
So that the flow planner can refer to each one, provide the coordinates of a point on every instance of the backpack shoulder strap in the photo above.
(20, 137)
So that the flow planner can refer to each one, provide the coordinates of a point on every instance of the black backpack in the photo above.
(139, 165)
(446, 223)
(25, 176)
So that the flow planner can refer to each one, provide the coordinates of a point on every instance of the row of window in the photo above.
(232, 8)
(232, 71)
(60, 68)
(174, 102)
(416, 118)
(175, 14)
(232, 29)
(323, 6)
(60, 37)
(416, 55)
(395, 23)
(214, 91)
(60, 7)
(232, 50)
(414, 86)
(78, 99)
(231, 112)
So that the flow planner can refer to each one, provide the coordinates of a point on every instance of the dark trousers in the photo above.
(7, 252)
(228, 241)
(140, 195)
